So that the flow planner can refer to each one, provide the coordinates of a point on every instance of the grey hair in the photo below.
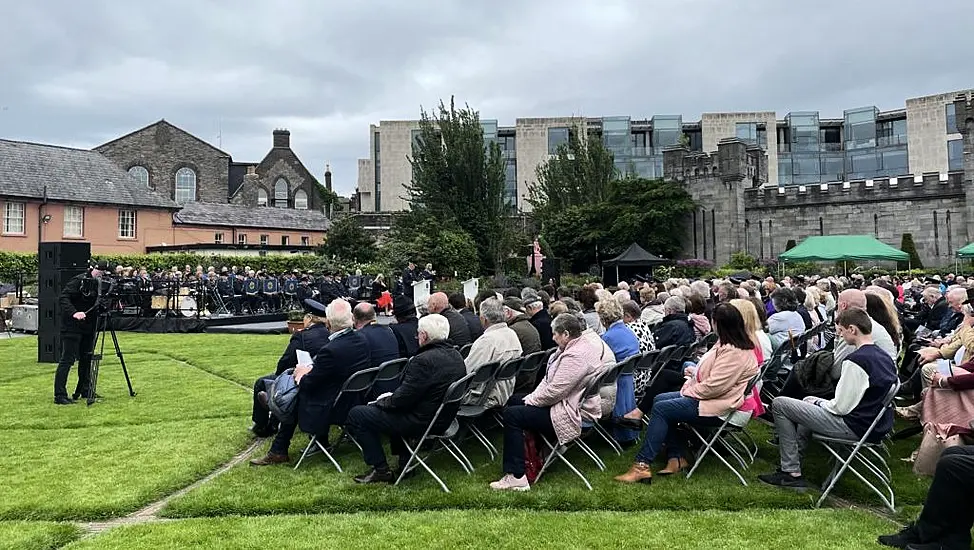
(675, 304)
(700, 288)
(435, 326)
(569, 324)
(339, 314)
(492, 310)
(932, 292)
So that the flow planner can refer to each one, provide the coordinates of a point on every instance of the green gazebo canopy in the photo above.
(843, 247)
(966, 252)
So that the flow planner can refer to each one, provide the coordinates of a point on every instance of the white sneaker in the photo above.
(511, 483)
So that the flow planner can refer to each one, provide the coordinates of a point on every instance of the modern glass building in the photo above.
(803, 147)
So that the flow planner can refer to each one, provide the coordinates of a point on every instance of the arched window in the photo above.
(300, 199)
(261, 197)
(185, 186)
(140, 173)
(280, 193)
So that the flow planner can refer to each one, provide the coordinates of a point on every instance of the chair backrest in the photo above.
(532, 362)
(666, 354)
(648, 360)
(391, 370)
(509, 370)
(610, 376)
(465, 350)
(887, 402)
(485, 373)
(629, 364)
(452, 396)
(360, 381)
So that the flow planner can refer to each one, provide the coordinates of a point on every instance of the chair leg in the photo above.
(414, 457)
(327, 454)
(591, 454)
(307, 449)
(491, 449)
(599, 429)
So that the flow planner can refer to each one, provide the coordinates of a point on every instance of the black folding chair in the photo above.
(389, 371)
(643, 372)
(465, 350)
(847, 453)
(558, 452)
(357, 384)
(532, 363)
(454, 394)
(609, 380)
(484, 380)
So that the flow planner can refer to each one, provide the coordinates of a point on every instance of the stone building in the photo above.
(737, 211)
(183, 167)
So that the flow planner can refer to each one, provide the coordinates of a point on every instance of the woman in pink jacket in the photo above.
(712, 391)
(554, 408)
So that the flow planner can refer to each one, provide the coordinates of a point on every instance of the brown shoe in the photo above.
(638, 473)
(269, 458)
(263, 398)
(674, 466)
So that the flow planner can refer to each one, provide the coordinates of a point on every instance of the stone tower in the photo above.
(716, 181)
(964, 111)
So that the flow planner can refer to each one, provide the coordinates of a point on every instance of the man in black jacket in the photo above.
(312, 338)
(346, 353)
(540, 319)
(409, 276)
(408, 411)
(459, 302)
(406, 326)
(459, 332)
(675, 329)
(383, 344)
(79, 311)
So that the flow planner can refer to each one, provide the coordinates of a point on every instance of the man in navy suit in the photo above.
(312, 338)
(383, 344)
(346, 353)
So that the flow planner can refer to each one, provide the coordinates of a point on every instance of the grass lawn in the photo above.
(191, 415)
(510, 529)
(35, 535)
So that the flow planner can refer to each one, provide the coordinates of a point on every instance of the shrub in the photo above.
(907, 245)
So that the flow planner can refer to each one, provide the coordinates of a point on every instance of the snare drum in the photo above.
(158, 302)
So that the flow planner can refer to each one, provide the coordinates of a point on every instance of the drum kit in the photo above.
(180, 299)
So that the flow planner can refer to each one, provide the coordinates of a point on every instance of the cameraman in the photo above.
(78, 303)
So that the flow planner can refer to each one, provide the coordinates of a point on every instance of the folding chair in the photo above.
(723, 435)
(465, 350)
(532, 363)
(557, 451)
(662, 359)
(863, 452)
(643, 372)
(454, 394)
(358, 383)
(485, 376)
(389, 371)
(609, 379)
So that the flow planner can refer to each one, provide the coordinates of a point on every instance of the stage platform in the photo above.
(192, 324)
(275, 327)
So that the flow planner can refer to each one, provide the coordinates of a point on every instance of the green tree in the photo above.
(907, 245)
(458, 176)
(347, 240)
(422, 239)
(650, 213)
(578, 174)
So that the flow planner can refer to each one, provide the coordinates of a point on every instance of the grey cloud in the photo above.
(81, 73)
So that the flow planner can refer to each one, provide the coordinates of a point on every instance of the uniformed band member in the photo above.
(271, 290)
(409, 276)
(78, 303)
(251, 289)
(312, 338)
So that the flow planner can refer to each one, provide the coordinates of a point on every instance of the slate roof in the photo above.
(74, 175)
(172, 126)
(263, 217)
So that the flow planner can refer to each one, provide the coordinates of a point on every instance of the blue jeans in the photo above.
(669, 409)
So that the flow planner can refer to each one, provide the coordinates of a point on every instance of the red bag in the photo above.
(533, 459)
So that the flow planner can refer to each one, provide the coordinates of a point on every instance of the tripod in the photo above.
(103, 327)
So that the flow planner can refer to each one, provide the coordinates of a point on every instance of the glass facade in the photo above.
(667, 130)
(490, 130)
(955, 154)
(747, 131)
(617, 139)
(860, 128)
(508, 145)
(804, 132)
(556, 137)
(951, 119)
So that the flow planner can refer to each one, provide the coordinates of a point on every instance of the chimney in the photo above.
(251, 169)
(328, 177)
(282, 138)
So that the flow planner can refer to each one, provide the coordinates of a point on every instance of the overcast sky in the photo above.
(82, 73)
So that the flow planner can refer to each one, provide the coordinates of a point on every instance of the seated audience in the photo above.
(697, 307)
(752, 322)
(881, 312)
(867, 375)
(854, 298)
(520, 323)
(675, 329)
(785, 324)
(630, 315)
(382, 341)
(459, 302)
(459, 331)
(345, 353)
(407, 412)
(499, 343)
(540, 320)
(624, 345)
(713, 390)
(554, 409)
(406, 325)
(310, 339)
(587, 298)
